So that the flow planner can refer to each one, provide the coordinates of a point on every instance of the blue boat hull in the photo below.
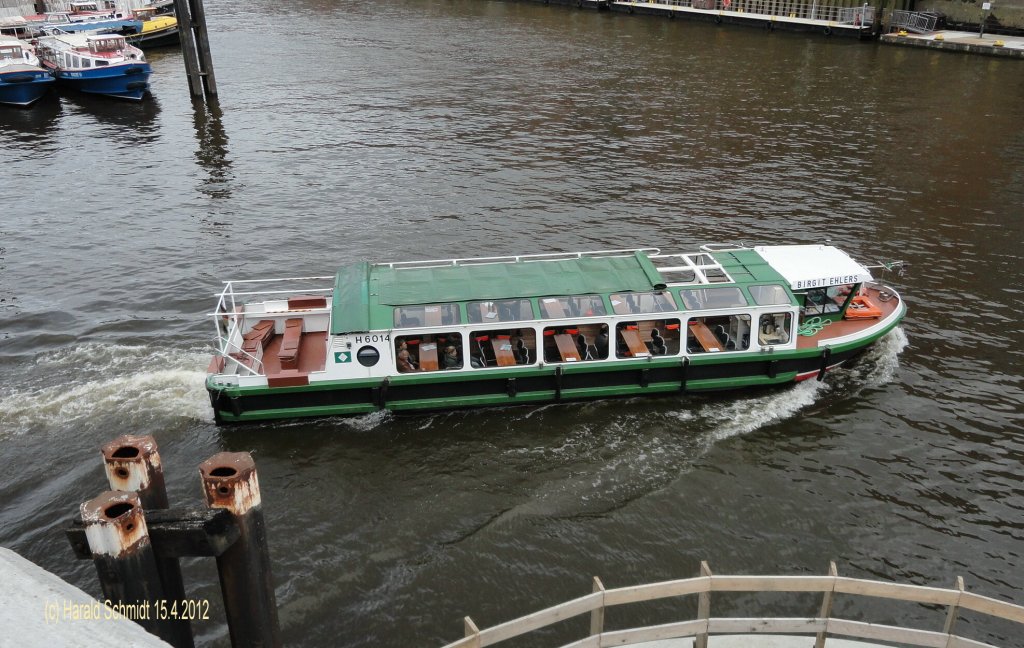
(23, 88)
(127, 81)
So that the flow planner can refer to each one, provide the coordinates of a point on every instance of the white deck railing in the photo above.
(821, 626)
(228, 314)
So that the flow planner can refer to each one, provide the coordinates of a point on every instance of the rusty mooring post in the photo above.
(119, 542)
(132, 463)
(229, 482)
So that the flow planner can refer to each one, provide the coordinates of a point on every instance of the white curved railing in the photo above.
(822, 626)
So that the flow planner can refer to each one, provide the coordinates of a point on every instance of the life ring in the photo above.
(828, 31)
(718, 20)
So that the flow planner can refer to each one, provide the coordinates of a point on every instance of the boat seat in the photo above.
(259, 335)
(288, 354)
(302, 302)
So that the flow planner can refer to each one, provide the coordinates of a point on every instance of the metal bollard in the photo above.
(132, 463)
(119, 541)
(229, 482)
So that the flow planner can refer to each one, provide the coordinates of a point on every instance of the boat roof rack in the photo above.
(520, 258)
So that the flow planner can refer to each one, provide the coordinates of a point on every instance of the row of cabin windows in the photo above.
(587, 341)
(570, 306)
(75, 62)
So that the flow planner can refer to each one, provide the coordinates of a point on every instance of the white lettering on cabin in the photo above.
(825, 281)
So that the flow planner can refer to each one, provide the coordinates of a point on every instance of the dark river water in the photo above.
(401, 129)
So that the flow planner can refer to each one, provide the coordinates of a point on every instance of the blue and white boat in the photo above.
(104, 64)
(22, 79)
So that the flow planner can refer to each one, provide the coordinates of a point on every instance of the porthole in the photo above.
(368, 356)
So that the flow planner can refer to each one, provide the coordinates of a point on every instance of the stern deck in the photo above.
(842, 328)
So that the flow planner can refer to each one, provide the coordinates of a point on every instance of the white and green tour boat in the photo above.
(444, 334)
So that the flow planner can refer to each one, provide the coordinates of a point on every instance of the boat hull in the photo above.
(157, 38)
(532, 385)
(128, 81)
(24, 87)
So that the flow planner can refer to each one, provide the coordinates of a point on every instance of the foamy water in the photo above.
(131, 383)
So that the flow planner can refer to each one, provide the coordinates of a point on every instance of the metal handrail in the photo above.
(548, 256)
(915, 21)
(806, 10)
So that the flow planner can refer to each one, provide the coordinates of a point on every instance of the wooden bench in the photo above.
(304, 302)
(253, 344)
(258, 337)
(288, 354)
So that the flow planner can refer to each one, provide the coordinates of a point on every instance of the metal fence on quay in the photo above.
(915, 21)
(857, 16)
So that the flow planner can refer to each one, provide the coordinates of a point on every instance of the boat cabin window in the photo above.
(428, 352)
(500, 310)
(75, 62)
(571, 306)
(427, 315)
(502, 348)
(647, 302)
(86, 63)
(368, 356)
(701, 298)
(774, 328)
(824, 301)
(575, 342)
(10, 52)
(718, 334)
(771, 295)
(647, 338)
(102, 63)
(97, 45)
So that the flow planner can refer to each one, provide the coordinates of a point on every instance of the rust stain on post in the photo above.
(130, 461)
(229, 482)
(114, 524)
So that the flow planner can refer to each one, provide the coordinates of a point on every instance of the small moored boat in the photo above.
(156, 30)
(437, 335)
(22, 79)
(102, 64)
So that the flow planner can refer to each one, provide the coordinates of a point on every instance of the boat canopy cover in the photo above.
(350, 306)
(365, 295)
(813, 266)
(510, 280)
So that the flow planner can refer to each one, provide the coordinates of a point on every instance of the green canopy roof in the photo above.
(363, 291)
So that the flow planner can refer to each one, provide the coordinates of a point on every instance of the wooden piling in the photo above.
(115, 528)
(230, 483)
(195, 48)
(132, 464)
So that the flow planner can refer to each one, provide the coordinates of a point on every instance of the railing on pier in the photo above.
(821, 627)
(863, 15)
(915, 21)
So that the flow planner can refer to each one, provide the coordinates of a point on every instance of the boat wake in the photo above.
(95, 382)
(613, 455)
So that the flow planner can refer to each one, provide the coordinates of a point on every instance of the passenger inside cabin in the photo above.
(601, 343)
(658, 346)
(451, 358)
(404, 359)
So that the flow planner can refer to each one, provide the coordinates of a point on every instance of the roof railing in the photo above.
(821, 627)
(549, 256)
